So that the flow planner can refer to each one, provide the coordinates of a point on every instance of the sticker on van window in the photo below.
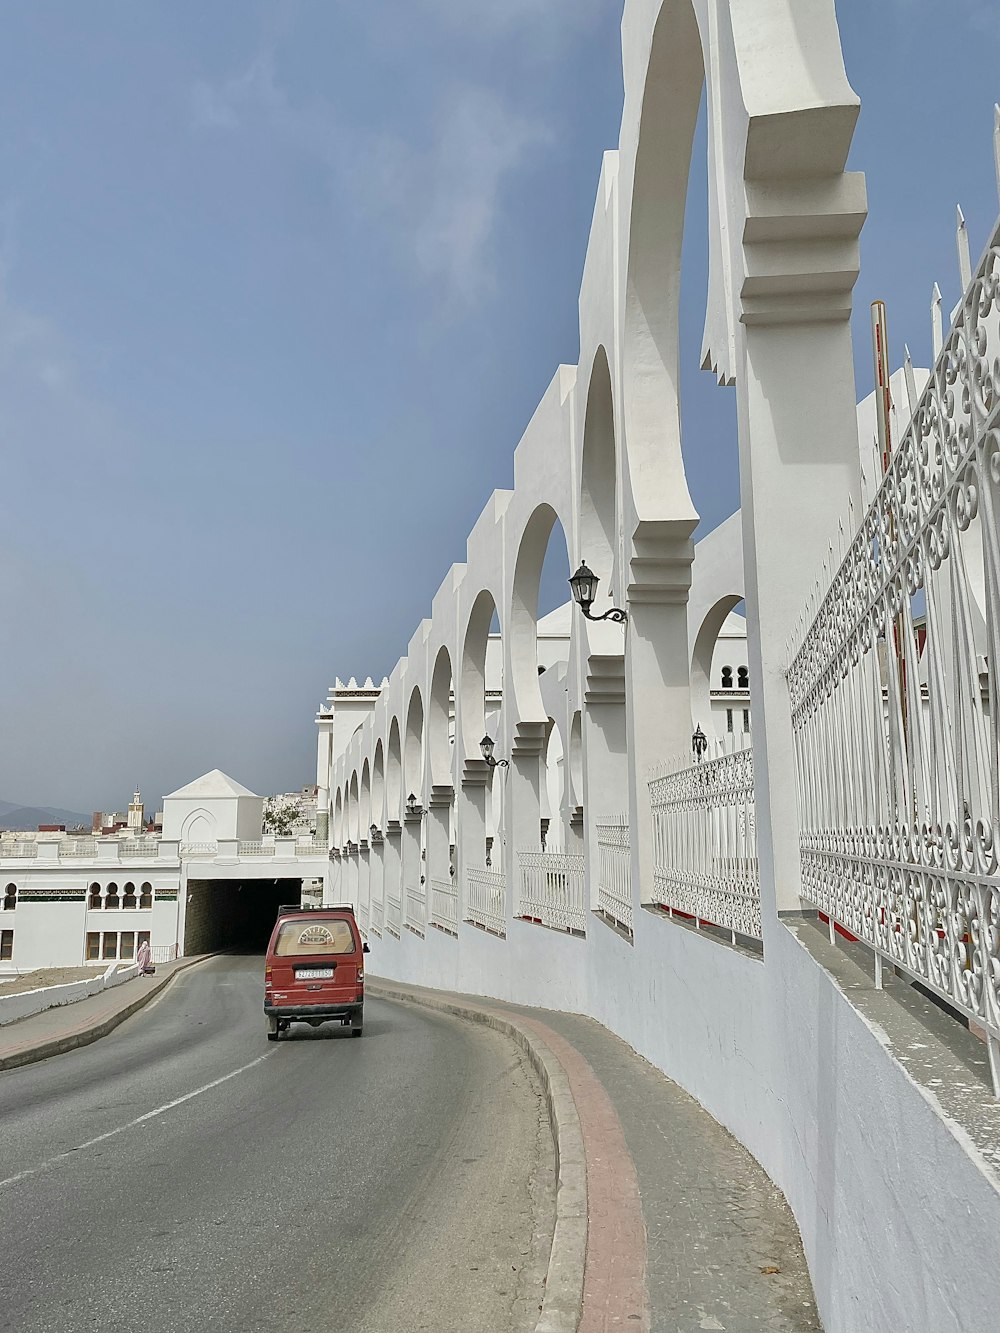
(315, 934)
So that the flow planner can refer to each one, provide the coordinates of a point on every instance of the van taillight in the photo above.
(267, 973)
(361, 975)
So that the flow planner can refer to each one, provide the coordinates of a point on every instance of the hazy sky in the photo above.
(281, 281)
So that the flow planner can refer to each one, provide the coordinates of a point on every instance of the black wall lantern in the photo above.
(487, 747)
(412, 807)
(699, 744)
(584, 586)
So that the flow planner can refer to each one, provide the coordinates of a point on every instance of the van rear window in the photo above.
(311, 937)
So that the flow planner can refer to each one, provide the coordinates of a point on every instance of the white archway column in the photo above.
(412, 866)
(323, 760)
(376, 886)
(392, 885)
(438, 833)
(799, 466)
(470, 850)
(605, 752)
(364, 878)
(522, 805)
(657, 676)
(353, 876)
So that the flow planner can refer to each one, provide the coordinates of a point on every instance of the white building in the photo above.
(211, 879)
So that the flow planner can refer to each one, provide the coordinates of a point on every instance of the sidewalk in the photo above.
(685, 1230)
(69, 1025)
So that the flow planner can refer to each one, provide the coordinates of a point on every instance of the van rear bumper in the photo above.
(352, 1010)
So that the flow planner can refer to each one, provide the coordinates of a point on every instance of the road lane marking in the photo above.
(139, 1120)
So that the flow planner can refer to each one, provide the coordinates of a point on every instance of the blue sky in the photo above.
(281, 281)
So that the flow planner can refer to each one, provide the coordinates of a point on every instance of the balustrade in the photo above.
(614, 885)
(416, 908)
(704, 842)
(393, 915)
(444, 905)
(553, 890)
(486, 900)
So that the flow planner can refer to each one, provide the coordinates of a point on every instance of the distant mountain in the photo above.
(26, 818)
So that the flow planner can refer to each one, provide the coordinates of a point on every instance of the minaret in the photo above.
(135, 813)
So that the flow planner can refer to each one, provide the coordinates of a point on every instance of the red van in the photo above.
(314, 969)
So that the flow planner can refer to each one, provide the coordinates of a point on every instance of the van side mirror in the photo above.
(366, 948)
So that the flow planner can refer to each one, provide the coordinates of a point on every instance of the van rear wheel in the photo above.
(357, 1031)
(273, 1029)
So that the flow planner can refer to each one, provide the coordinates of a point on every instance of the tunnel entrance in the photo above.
(234, 913)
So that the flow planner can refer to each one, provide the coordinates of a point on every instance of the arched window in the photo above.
(95, 896)
(146, 896)
(10, 898)
(743, 677)
(128, 895)
(111, 898)
(727, 678)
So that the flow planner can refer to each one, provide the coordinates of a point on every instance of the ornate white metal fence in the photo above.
(199, 849)
(444, 905)
(22, 848)
(256, 849)
(77, 847)
(614, 886)
(416, 909)
(704, 842)
(894, 688)
(486, 900)
(553, 889)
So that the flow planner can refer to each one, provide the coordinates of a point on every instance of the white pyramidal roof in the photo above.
(215, 783)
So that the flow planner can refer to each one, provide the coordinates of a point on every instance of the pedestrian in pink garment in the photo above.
(144, 958)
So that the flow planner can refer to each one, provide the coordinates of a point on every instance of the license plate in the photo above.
(313, 973)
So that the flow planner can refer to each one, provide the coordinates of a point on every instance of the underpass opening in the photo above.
(233, 913)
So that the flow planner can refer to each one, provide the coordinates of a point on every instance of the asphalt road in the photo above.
(183, 1173)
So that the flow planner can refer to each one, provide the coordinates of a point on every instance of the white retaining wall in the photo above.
(899, 1216)
(26, 1003)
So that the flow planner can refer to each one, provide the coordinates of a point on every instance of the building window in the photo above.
(743, 676)
(111, 898)
(128, 896)
(146, 896)
(93, 945)
(127, 945)
(729, 719)
(110, 945)
(746, 719)
(727, 678)
(10, 898)
(6, 945)
(95, 897)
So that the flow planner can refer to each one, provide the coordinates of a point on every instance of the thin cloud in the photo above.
(435, 194)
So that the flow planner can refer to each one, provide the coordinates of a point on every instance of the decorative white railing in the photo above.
(163, 953)
(553, 889)
(311, 847)
(134, 847)
(614, 885)
(704, 842)
(256, 849)
(895, 695)
(199, 848)
(18, 849)
(77, 847)
(416, 909)
(486, 899)
(444, 905)
(393, 915)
